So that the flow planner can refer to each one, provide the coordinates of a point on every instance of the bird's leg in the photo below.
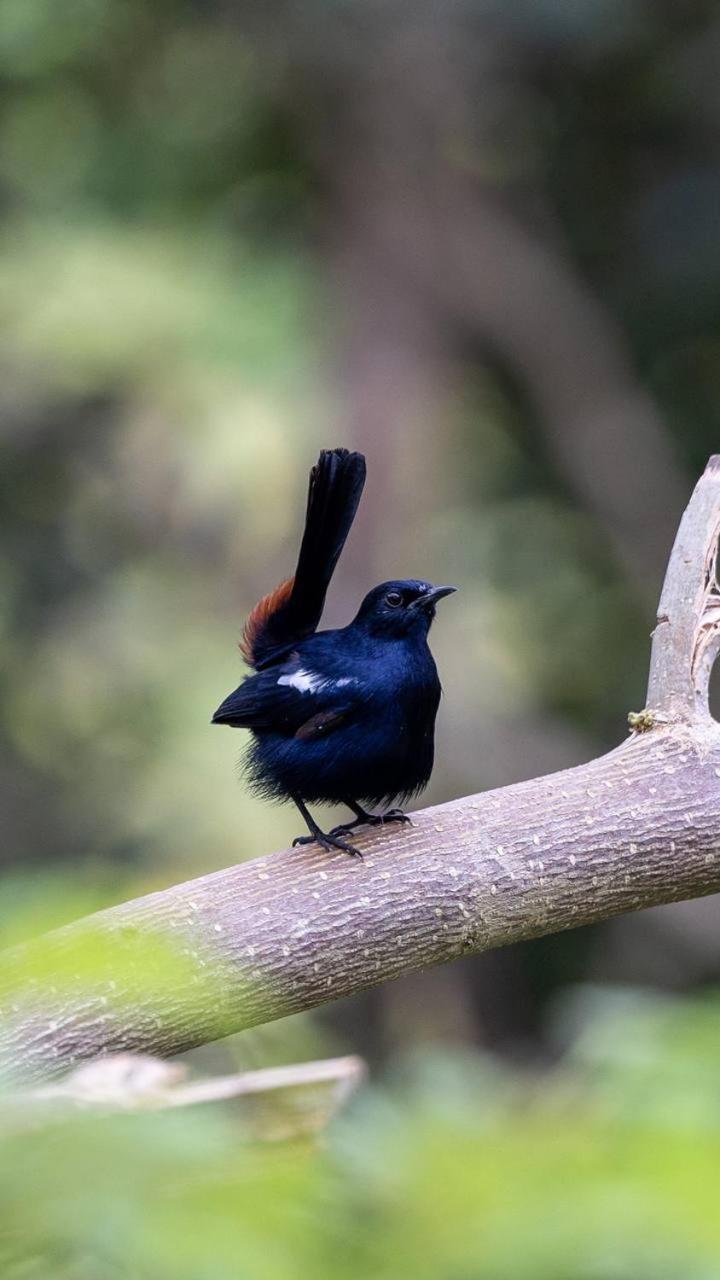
(327, 840)
(364, 818)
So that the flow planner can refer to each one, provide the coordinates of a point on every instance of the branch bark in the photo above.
(290, 931)
(687, 637)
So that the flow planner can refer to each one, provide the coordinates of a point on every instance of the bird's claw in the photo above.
(329, 841)
(332, 842)
(372, 820)
(395, 815)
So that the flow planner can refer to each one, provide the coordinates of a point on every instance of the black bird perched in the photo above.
(346, 715)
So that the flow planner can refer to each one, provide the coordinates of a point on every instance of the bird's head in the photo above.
(400, 608)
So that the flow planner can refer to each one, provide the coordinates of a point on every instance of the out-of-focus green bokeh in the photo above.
(605, 1168)
(478, 241)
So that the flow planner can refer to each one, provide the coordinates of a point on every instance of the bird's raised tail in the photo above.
(293, 610)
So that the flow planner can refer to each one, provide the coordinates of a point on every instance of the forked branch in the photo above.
(687, 636)
(635, 828)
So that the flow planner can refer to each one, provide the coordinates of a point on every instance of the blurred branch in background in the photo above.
(433, 257)
(275, 1104)
(635, 828)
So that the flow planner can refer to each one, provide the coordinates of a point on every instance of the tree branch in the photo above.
(276, 1103)
(290, 931)
(687, 636)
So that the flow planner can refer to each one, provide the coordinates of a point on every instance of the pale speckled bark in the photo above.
(635, 828)
(687, 636)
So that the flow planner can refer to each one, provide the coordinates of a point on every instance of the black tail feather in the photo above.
(335, 489)
(336, 485)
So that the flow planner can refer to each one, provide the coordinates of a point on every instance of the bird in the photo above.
(343, 716)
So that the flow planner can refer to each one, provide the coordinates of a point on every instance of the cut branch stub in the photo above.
(687, 637)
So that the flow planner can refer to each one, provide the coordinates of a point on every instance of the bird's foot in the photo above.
(328, 841)
(393, 815)
(371, 820)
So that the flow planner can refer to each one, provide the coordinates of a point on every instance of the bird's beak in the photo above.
(432, 596)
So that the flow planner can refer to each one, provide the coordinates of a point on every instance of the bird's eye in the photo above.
(393, 599)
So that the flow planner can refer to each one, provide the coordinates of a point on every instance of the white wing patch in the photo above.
(310, 682)
(303, 681)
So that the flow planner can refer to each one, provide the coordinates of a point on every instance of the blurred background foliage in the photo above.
(479, 242)
(454, 1167)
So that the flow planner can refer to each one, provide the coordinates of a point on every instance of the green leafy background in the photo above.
(193, 281)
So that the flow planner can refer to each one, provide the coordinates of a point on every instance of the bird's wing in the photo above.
(323, 723)
(292, 611)
(292, 700)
